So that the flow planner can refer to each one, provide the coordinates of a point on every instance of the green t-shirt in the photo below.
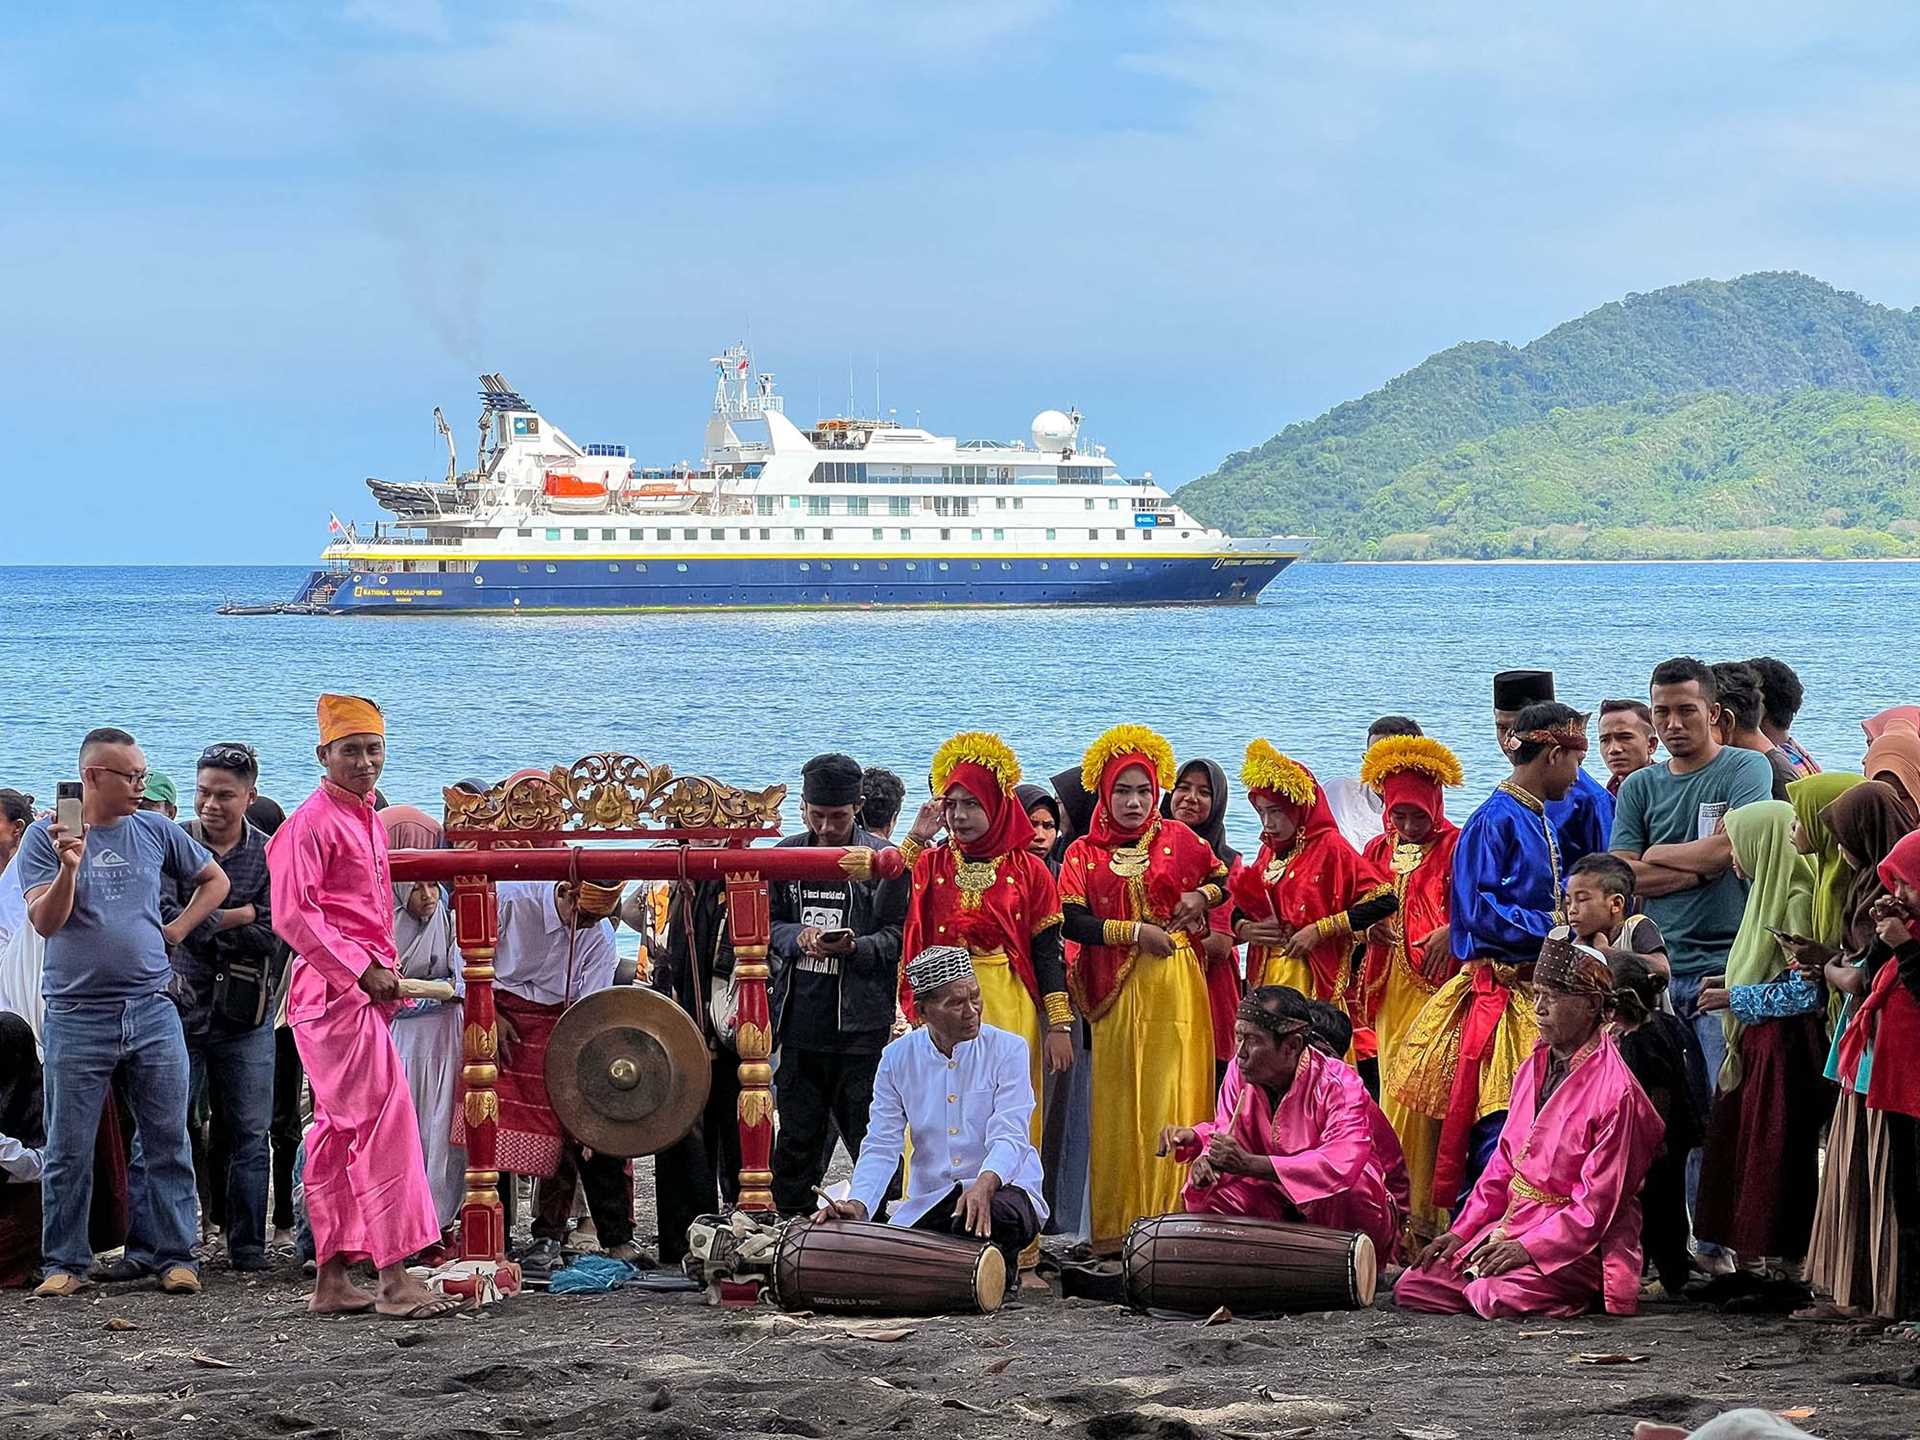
(1657, 807)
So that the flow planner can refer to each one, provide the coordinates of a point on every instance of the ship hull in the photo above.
(581, 586)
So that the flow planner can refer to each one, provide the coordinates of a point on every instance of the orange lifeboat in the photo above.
(569, 492)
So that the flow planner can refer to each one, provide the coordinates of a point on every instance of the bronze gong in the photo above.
(627, 1071)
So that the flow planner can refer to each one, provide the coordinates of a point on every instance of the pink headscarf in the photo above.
(1876, 725)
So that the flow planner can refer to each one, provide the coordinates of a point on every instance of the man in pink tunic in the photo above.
(366, 1183)
(1295, 1135)
(1554, 1223)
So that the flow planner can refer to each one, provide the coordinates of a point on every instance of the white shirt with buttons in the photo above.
(968, 1112)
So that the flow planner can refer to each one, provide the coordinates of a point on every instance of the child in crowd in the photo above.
(1600, 913)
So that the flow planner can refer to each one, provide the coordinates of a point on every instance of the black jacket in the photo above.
(870, 976)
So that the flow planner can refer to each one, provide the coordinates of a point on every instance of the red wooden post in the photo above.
(476, 921)
(753, 1037)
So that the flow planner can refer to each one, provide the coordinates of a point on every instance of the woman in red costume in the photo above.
(1136, 890)
(1308, 892)
(1408, 956)
(986, 889)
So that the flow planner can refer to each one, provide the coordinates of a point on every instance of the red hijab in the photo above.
(1889, 1018)
(1008, 828)
(1424, 765)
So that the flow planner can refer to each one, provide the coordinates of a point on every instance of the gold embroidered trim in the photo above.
(1047, 922)
(1527, 1190)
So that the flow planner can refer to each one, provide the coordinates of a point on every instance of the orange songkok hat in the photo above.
(343, 715)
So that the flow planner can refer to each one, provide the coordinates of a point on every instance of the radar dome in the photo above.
(1053, 431)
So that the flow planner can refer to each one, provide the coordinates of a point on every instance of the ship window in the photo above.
(974, 566)
(1129, 564)
(663, 534)
(826, 564)
(793, 502)
(526, 534)
(746, 534)
(805, 566)
(1050, 534)
(999, 502)
(522, 567)
(1073, 564)
(977, 535)
(1089, 504)
(899, 504)
(856, 505)
(1105, 566)
(689, 534)
(681, 567)
(580, 535)
(553, 534)
(1018, 503)
(817, 504)
(946, 534)
(885, 566)
(766, 534)
(613, 568)
(999, 534)
(1006, 564)
(1119, 534)
(609, 534)
(879, 534)
(1146, 534)
(912, 566)
(1113, 504)
(944, 565)
(826, 534)
(765, 504)
(1186, 534)
(856, 565)
(641, 568)
(799, 534)
(552, 569)
(906, 534)
(479, 579)
(716, 534)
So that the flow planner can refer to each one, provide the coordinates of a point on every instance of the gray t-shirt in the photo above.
(111, 947)
(1658, 807)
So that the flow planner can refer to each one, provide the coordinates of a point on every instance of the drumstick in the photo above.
(411, 989)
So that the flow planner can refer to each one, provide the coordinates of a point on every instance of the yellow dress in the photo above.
(1278, 968)
(1152, 1067)
(1006, 1005)
(1404, 996)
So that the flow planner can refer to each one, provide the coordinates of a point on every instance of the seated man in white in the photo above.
(963, 1091)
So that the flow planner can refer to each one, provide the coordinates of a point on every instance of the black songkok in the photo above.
(1517, 689)
(831, 780)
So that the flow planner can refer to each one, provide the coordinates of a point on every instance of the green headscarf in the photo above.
(1778, 878)
(1832, 877)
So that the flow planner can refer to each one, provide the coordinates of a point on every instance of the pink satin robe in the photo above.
(1565, 1182)
(366, 1179)
(1335, 1157)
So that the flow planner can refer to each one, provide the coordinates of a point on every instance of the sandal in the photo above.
(438, 1308)
(180, 1280)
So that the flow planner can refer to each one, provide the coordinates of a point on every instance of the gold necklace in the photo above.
(1130, 863)
(974, 878)
(1407, 857)
(1276, 868)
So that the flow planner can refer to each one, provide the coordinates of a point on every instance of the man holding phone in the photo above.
(837, 947)
(93, 884)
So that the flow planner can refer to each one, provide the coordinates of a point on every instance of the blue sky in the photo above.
(246, 248)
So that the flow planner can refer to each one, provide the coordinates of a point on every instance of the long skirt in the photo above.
(1839, 1257)
(1759, 1179)
(1401, 1001)
(430, 1052)
(1006, 1005)
(1152, 1067)
(528, 1138)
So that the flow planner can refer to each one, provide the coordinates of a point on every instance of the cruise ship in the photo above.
(851, 513)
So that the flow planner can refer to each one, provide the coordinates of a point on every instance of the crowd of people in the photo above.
(1594, 1040)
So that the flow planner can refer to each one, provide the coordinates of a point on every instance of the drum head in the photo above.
(627, 1072)
(1366, 1271)
(990, 1279)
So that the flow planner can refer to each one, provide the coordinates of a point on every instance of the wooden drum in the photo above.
(1193, 1264)
(855, 1267)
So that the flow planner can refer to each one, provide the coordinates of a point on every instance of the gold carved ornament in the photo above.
(973, 878)
(614, 792)
(756, 1107)
(752, 1042)
(483, 1107)
(483, 1042)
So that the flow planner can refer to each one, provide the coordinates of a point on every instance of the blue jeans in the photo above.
(86, 1042)
(236, 1066)
(1707, 1029)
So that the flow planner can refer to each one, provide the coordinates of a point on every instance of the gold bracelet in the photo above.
(911, 848)
(1213, 895)
(1059, 1010)
(1119, 932)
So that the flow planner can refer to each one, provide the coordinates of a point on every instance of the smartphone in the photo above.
(66, 806)
(836, 936)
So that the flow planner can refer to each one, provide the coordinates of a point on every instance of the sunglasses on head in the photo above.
(230, 757)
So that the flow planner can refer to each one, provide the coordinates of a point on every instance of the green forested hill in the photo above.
(1766, 415)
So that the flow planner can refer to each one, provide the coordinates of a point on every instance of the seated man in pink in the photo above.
(1294, 1134)
(1553, 1226)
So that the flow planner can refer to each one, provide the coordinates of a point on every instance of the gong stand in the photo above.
(674, 827)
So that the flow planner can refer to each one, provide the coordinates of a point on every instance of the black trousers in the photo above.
(1015, 1225)
(1663, 1220)
(1903, 1172)
(609, 1190)
(812, 1089)
(700, 1173)
(288, 1080)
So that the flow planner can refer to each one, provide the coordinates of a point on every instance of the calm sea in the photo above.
(749, 697)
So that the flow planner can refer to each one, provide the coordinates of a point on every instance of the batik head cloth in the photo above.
(344, 715)
(936, 966)
(1572, 969)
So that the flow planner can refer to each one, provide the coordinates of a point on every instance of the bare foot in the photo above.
(335, 1294)
(403, 1297)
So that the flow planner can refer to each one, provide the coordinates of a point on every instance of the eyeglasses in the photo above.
(230, 757)
(135, 778)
